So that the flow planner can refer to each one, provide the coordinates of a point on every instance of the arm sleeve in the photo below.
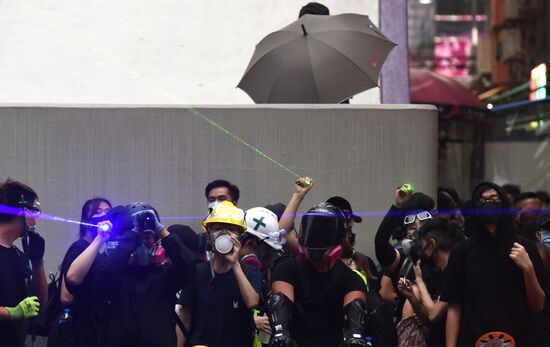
(453, 284)
(537, 264)
(117, 260)
(182, 270)
(254, 276)
(385, 253)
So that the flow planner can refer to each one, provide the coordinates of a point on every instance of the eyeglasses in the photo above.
(409, 219)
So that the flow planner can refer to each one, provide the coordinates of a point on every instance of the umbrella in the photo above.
(428, 87)
(317, 59)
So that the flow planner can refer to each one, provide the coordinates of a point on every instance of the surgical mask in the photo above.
(489, 212)
(545, 239)
(212, 205)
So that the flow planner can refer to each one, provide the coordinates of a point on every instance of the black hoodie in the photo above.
(486, 282)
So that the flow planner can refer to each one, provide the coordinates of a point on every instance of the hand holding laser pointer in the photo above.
(302, 186)
(402, 194)
(103, 230)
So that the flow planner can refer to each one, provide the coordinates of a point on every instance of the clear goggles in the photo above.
(422, 216)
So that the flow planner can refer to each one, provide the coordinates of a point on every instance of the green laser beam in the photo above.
(224, 130)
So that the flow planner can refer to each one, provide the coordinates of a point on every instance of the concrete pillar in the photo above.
(395, 73)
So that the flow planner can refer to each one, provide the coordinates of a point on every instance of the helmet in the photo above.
(263, 224)
(225, 212)
(322, 231)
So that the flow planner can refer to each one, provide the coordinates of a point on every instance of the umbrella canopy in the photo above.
(428, 87)
(317, 59)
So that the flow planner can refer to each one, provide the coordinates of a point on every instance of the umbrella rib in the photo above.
(313, 75)
(375, 35)
(348, 58)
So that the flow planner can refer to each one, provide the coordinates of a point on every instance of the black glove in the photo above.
(147, 220)
(355, 317)
(37, 246)
(279, 309)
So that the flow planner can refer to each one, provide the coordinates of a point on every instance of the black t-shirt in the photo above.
(489, 285)
(87, 306)
(541, 321)
(318, 317)
(12, 291)
(437, 330)
(220, 317)
(141, 299)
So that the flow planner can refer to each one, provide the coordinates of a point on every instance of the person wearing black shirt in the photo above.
(494, 278)
(144, 267)
(15, 305)
(541, 321)
(437, 237)
(217, 307)
(80, 295)
(317, 301)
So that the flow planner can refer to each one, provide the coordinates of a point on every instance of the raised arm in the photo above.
(287, 220)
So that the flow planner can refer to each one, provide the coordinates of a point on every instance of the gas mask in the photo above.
(144, 255)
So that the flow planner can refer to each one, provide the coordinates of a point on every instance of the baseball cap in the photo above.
(345, 206)
(278, 209)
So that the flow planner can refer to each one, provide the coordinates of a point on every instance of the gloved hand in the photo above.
(147, 220)
(282, 341)
(37, 246)
(27, 308)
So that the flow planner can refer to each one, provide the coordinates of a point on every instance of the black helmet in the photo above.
(322, 227)
(122, 218)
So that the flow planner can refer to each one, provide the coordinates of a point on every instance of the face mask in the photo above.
(221, 242)
(212, 205)
(545, 239)
(489, 212)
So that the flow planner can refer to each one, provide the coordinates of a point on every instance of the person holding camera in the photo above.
(217, 307)
(16, 306)
(143, 269)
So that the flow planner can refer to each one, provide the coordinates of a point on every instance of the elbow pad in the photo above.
(279, 309)
(355, 323)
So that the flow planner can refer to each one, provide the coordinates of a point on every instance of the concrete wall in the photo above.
(141, 51)
(166, 156)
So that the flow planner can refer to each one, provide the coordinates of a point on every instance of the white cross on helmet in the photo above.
(263, 224)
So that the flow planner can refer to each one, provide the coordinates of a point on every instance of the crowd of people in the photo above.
(472, 273)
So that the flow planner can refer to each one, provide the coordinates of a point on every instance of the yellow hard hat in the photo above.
(225, 212)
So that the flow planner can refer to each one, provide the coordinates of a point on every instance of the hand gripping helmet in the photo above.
(263, 224)
(322, 232)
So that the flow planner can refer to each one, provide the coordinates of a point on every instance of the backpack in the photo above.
(49, 313)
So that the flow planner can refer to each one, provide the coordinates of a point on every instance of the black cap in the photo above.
(543, 218)
(345, 206)
(278, 209)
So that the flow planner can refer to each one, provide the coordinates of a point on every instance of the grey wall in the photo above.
(166, 156)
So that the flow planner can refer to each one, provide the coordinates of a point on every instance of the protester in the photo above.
(144, 267)
(217, 306)
(221, 190)
(262, 247)
(541, 323)
(356, 261)
(16, 306)
(437, 237)
(301, 187)
(526, 202)
(494, 258)
(317, 300)
(81, 297)
(448, 206)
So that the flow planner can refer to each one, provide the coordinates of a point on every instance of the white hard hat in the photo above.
(263, 224)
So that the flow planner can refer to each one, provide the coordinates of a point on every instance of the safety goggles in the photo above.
(424, 215)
